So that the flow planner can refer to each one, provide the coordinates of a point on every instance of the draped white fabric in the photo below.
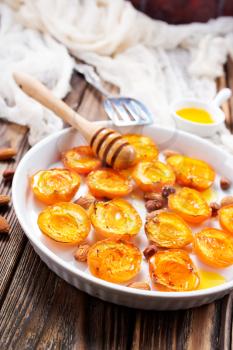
(147, 59)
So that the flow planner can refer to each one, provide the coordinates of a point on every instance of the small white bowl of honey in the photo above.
(199, 117)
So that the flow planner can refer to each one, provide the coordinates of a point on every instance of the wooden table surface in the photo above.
(41, 311)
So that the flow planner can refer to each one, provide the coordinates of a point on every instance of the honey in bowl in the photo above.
(196, 115)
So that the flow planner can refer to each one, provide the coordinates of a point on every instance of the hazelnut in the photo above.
(169, 153)
(214, 208)
(225, 183)
(81, 252)
(139, 285)
(150, 251)
(152, 195)
(167, 190)
(226, 201)
(154, 204)
(85, 201)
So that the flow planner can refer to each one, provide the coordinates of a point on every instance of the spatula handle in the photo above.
(40, 93)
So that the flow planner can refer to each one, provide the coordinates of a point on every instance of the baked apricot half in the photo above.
(168, 230)
(190, 205)
(174, 270)
(65, 222)
(192, 172)
(55, 185)
(116, 217)
(152, 176)
(144, 146)
(108, 183)
(226, 217)
(214, 247)
(81, 159)
(114, 260)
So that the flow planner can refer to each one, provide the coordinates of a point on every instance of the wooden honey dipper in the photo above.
(106, 143)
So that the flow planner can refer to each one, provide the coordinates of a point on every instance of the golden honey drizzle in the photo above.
(209, 195)
(209, 279)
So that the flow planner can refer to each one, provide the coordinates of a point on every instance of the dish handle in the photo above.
(222, 96)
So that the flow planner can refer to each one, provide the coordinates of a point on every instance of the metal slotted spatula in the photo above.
(123, 111)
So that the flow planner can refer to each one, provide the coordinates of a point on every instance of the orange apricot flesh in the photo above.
(115, 260)
(190, 205)
(115, 217)
(168, 230)
(65, 222)
(174, 270)
(214, 247)
(55, 185)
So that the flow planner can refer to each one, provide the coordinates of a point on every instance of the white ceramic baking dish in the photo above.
(59, 257)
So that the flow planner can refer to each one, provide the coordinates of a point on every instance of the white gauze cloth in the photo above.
(40, 55)
(147, 59)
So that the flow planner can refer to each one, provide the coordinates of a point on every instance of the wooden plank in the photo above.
(13, 135)
(203, 328)
(78, 87)
(203, 334)
(222, 83)
(91, 107)
(11, 246)
(226, 317)
(161, 330)
(229, 70)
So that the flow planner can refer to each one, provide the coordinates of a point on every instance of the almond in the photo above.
(85, 201)
(169, 153)
(226, 201)
(139, 285)
(81, 252)
(7, 153)
(4, 226)
(4, 200)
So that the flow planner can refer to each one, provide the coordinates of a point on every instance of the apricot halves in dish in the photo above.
(214, 247)
(192, 172)
(173, 270)
(116, 217)
(152, 176)
(55, 185)
(190, 205)
(108, 183)
(114, 260)
(226, 217)
(81, 159)
(65, 222)
(144, 146)
(168, 230)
